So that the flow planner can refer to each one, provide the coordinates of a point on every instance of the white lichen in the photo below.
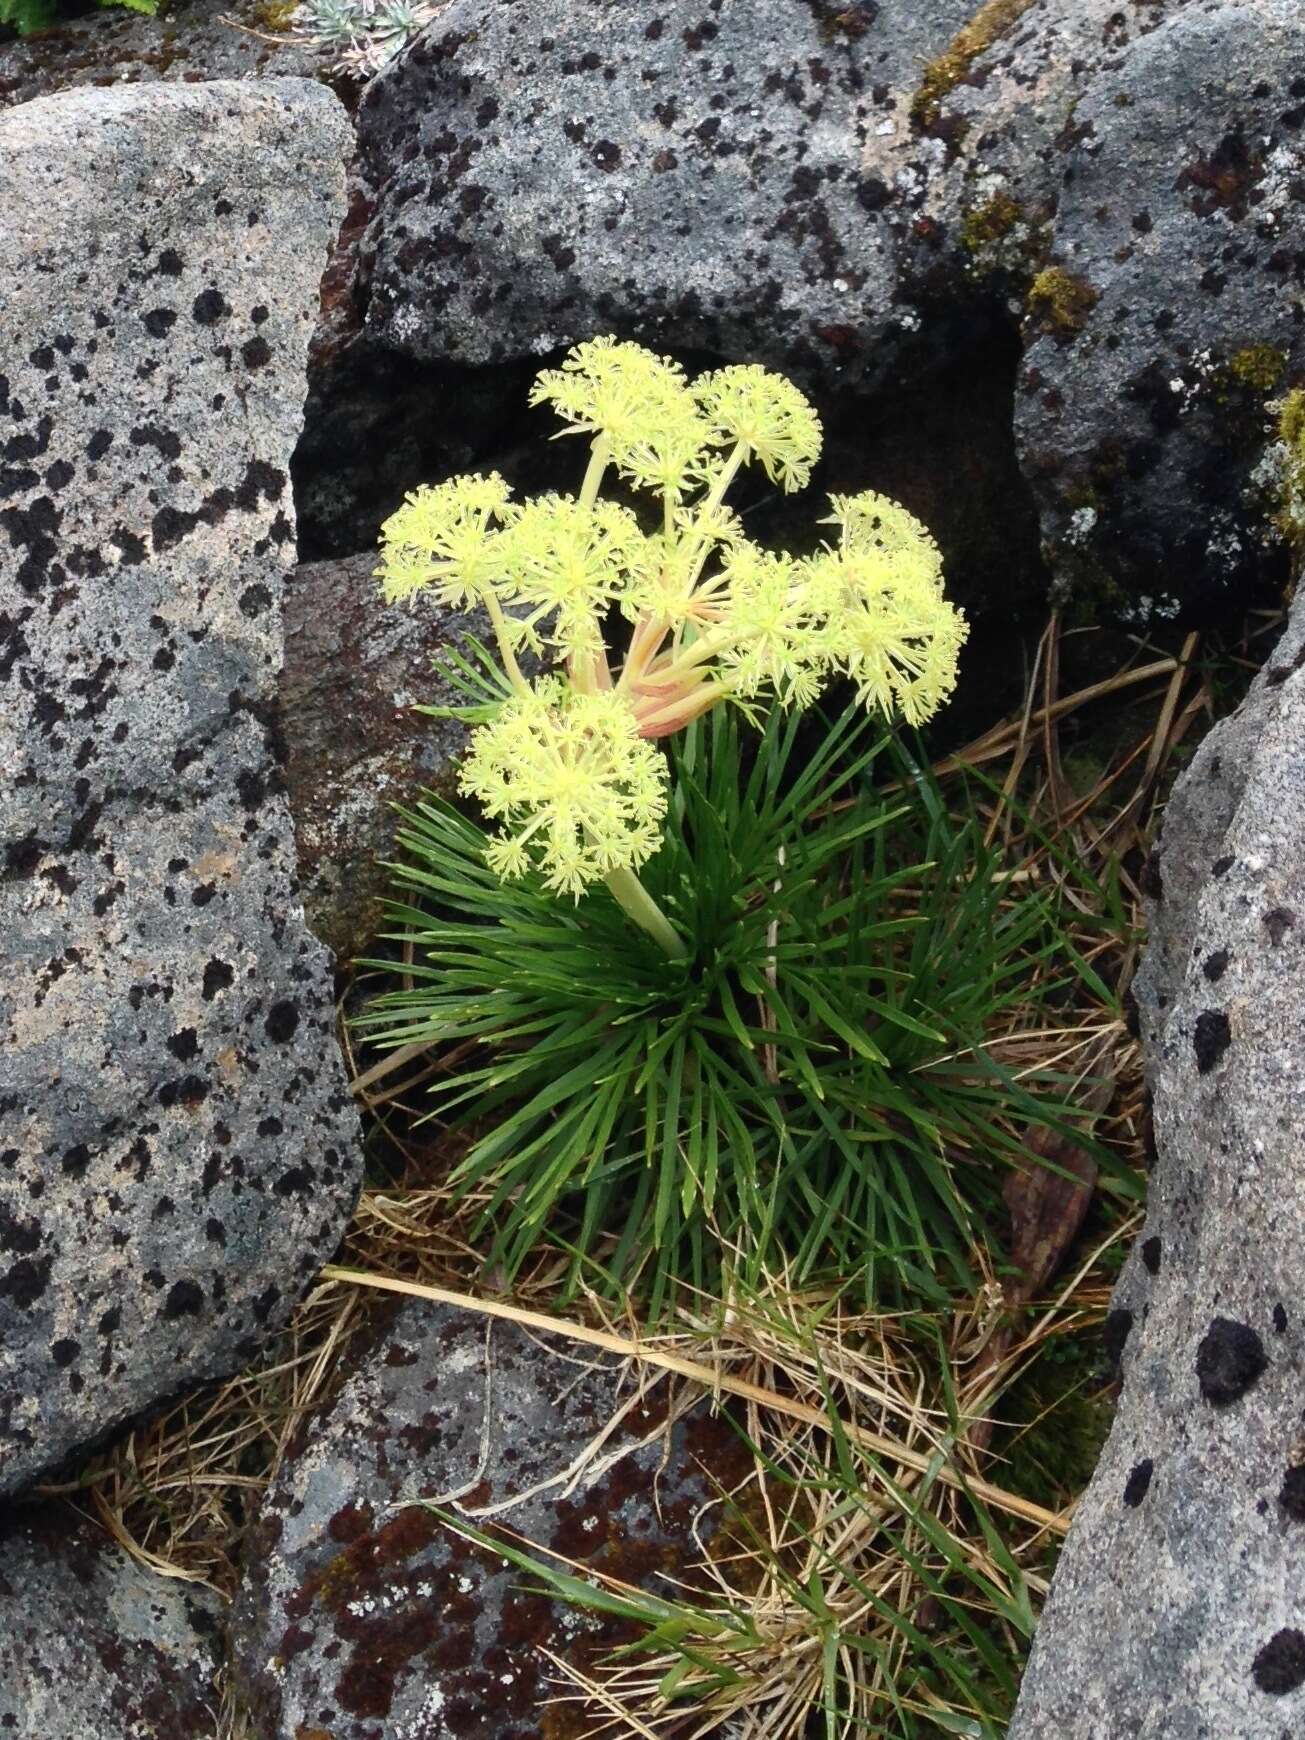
(1081, 524)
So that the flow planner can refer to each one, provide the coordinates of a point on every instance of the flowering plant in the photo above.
(566, 763)
(781, 1065)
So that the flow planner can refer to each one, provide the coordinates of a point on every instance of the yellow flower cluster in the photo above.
(638, 404)
(581, 793)
(568, 765)
(883, 619)
(767, 416)
(566, 564)
(445, 537)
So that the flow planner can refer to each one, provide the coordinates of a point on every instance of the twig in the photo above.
(258, 35)
(716, 1382)
(997, 741)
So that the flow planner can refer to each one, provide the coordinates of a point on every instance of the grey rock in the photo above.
(1173, 319)
(355, 669)
(864, 195)
(1176, 1610)
(547, 171)
(362, 1615)
(179, 1150)
(93, 1647)
(187, 40)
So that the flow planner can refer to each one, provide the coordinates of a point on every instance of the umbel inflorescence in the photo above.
(566, 764)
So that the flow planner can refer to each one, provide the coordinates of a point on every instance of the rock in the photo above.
(187, 40)
(179, 1149)
(363, 1616)
(1176, 1607)
(354, 670)
(689, 179)
(870, 197)
(92, 1647)
(1170, 313)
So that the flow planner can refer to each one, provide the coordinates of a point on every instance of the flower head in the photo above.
(883, 618)
(773, 420)
(872, 524)
(673, 590)
(447, 536)
(567, 563)
(773, 645)
(638, 401)
(580, 794)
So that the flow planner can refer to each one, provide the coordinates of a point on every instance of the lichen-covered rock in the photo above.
(177, 1146)
(546, 171)
(860, 194)
(1177, 1606)
(354, 671)
(1170, 313)
(362, 1616)
(93, 1647)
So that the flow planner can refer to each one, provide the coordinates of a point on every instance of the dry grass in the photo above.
(178, 1492)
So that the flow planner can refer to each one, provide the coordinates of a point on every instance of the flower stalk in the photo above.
(635, 900)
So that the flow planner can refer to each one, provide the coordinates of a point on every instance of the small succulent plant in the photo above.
(364, 35)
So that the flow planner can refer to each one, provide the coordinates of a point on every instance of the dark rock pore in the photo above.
(1118, 1328)
(92, 1647)
(1229, 1361)
(1291, 1495)
(1181, 1614)
(168, 1062)
(363, 1616)
(1138, 1483)
(1280, 1665)
(1211, 1037)
(354, 670)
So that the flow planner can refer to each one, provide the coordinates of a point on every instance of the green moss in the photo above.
(1087, 592)
(277, 14)
(1259, 366)
(1059, 303)
(28, 17)
(1290, 516)
(1291, 421)
(1060, 1419)
(948, 69)
(989, 222)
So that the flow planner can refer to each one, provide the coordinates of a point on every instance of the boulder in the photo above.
(1168, 318)
(544, 172)
(92, 1646)
(355, 669)
(873, 197)
(1177, 1608)
(363, 1617)
(178, 1150)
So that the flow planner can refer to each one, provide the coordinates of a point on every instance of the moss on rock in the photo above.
(1290, 516)
(990, 222)
(1260, 367)
(950, 68)
(1058, 303)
